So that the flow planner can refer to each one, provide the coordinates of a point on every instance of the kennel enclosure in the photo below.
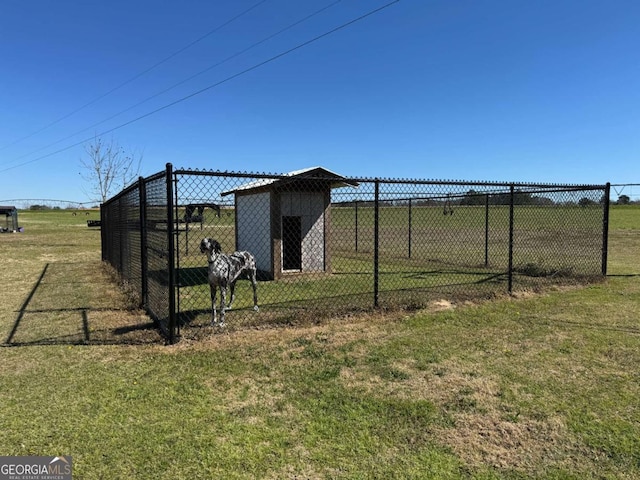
(327, 244)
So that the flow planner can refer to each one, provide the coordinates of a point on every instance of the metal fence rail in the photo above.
(326, 244)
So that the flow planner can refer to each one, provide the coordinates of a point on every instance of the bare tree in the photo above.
(108, 168)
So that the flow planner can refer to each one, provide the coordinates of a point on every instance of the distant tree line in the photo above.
(519, 198)
(475, 198)
(38, 207)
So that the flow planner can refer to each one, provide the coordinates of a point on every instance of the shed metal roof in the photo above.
(312, 173)
(7, 210)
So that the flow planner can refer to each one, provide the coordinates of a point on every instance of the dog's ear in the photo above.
(216, 246)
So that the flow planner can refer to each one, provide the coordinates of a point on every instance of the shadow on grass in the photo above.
(78, 325)
(25, 305)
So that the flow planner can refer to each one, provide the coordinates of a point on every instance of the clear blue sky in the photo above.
(544, 91)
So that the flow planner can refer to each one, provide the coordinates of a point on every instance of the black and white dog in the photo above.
(224, 270)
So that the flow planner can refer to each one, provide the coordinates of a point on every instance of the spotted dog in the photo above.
(224, 271)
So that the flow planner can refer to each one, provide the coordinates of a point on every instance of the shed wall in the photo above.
(310, 207)
(253, 214)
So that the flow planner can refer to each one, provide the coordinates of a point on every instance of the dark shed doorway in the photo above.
(291, 243)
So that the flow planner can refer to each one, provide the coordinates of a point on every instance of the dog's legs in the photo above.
(232, 288)
(213, 305)
(254, 284)
(223, 297)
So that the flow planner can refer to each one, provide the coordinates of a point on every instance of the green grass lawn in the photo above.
(532, 386)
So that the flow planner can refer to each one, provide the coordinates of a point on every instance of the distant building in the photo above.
(11, 214)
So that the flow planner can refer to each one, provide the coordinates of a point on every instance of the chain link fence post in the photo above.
(511, 208)
(486, 230)
(171, 256)
(605, 227)
(410, 232)
(376, 244)
(105, 230)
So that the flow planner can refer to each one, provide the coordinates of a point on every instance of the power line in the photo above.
(135, 77)
(214, 85)
(231, 57)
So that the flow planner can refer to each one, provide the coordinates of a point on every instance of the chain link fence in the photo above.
(328, 245)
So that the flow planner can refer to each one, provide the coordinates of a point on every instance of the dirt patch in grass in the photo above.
(486, 439)
(486, 429)
(341, 330)
(439, 305)
(483, 428)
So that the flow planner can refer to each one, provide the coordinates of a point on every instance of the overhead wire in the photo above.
(213, 85)
(231, 57)
(135, 77)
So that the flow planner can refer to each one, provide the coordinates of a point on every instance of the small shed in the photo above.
(285, 222)
(11, 215)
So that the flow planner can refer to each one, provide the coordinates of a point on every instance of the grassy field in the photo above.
(528, 386)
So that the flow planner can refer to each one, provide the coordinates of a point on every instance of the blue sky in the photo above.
(544, 91)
